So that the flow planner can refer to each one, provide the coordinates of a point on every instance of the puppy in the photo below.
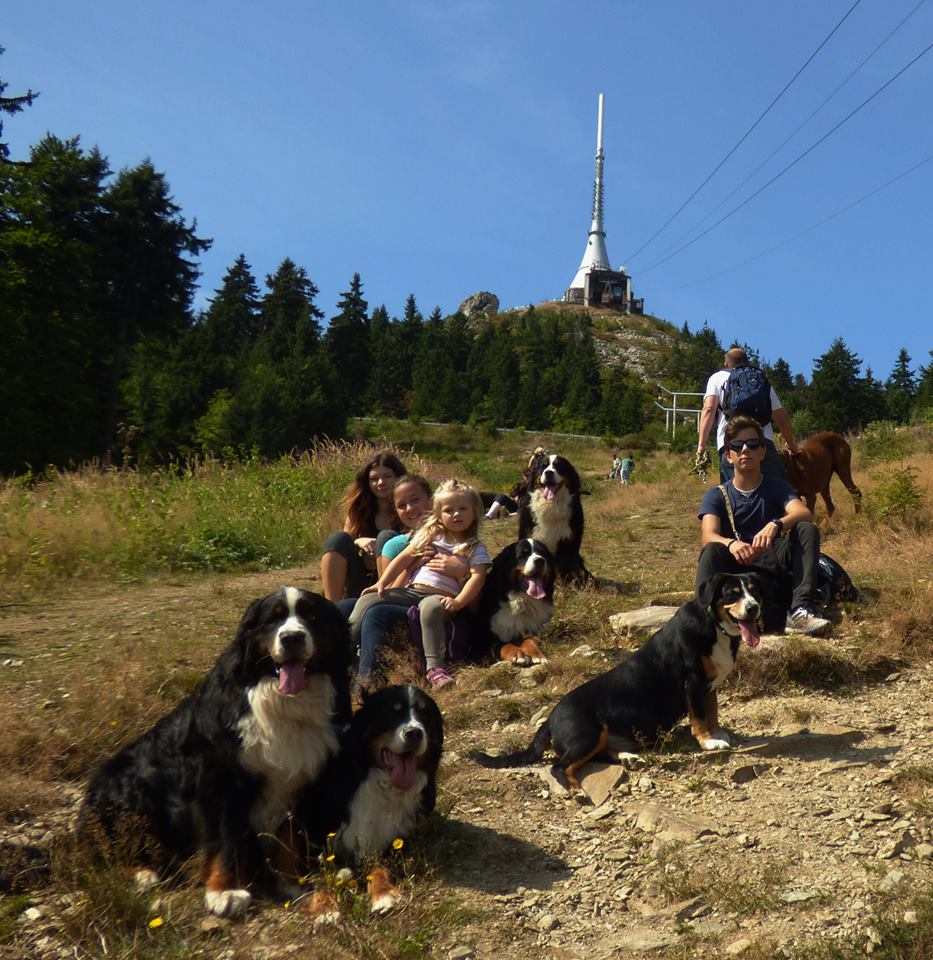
(374, 790)
(675, 674)
(225, 765)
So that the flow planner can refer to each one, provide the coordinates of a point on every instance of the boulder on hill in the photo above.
(482, 305)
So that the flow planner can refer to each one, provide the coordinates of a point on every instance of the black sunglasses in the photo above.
(736, 445)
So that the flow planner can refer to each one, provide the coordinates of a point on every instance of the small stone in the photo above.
(492, 692)
(599, 779)
(910, 917)
(892, 881)
(213, 925)
(584, 650)
(461, 952)
(547, 922)
(749, 772)
(799, 896)
(600, 813)
(539, 716)
(32, 914)
(923, 851)
(738, 947)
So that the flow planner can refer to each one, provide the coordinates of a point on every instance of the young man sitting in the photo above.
(761, 524)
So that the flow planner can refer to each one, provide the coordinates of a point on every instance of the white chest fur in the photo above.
(552, 517)
(287, 740)
(722, 658)
(380, 813)
(520, 616)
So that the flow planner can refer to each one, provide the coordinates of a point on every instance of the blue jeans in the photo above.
(379, 621)
(772, 466)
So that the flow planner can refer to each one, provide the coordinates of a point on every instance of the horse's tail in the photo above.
(521, 758)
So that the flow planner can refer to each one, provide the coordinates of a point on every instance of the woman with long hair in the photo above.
(349, 561)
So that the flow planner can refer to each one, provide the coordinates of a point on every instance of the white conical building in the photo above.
(595, 282)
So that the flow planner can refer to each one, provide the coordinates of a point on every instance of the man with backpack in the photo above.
(740, 389)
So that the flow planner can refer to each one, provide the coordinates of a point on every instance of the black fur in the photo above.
(645, 695)
(325, 807)
(555, 473)
(506, 581)
(182, 787)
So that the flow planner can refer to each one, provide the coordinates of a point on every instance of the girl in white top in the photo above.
(451, 529)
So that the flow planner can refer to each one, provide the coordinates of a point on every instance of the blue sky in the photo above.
(442, 148)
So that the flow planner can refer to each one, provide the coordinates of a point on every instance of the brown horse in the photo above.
(810, 471)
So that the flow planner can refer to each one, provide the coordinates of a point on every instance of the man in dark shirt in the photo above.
(764, 527)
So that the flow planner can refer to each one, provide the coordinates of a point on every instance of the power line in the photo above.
(811, 228)
(793, 162)
(745, 135)
(800, 126)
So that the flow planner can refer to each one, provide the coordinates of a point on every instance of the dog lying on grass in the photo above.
(675, 674)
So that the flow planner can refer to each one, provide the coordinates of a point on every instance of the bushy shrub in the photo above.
(898, 500)
(882, 441)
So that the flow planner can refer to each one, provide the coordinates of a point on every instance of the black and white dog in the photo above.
(226, 764)
(675, 674)
(518, 600)
(374, 790)
(553, 514)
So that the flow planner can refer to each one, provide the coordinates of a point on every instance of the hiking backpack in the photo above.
(747, 392)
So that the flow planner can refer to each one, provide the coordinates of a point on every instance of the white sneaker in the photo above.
(805, 621)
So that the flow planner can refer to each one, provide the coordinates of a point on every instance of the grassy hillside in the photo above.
(119, 589)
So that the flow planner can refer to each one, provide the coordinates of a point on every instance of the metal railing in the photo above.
(672, 408)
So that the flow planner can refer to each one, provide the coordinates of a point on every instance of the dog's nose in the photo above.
(292, 642)
(752, 609)
(413, 736)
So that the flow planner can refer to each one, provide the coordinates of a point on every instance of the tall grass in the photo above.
(202, 514)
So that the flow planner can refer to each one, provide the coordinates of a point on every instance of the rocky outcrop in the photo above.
(480, 305)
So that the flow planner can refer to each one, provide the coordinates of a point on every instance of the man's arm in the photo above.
(795, 511)
(710, 533)
(781, 420)
(707, 419)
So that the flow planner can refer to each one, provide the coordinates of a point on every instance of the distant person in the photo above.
(626, 469)
(741, 389)
(349, 561)
(755, 522)
(616, 467)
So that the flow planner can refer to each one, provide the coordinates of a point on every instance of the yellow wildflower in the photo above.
(155, 922)
(398, 843)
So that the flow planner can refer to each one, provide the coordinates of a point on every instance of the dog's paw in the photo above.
(324, 908)
(715, 743)
(522, 660)
(386, 901)
(228, 903)
(145, 879)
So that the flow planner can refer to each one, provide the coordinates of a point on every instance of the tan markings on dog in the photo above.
(215, 875)
(698, 726)
(524, 653)
(600, 747)
(709, 668)
(323, 904)
(383, 894)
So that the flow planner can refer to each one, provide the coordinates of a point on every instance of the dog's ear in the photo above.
(709, 590)
(573, 478)
(250, 619)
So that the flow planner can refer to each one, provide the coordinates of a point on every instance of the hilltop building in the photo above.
(595, 282)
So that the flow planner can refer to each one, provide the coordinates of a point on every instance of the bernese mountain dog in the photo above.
(553, 514)
(518, 600)
(223, 768)
(675, 674)
(373, 791)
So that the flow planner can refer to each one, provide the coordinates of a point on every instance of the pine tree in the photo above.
(901, 387)
(923, 405)
(232, 322)
(382, 395)
(836, 389)
(11, 105)
(430, 368)
(347, 342)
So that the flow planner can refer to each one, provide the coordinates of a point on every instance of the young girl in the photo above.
(348, 563)
(450, 530)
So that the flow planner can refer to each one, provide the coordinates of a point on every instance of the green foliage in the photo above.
(11, 105)
(882, 441)
(898, 500)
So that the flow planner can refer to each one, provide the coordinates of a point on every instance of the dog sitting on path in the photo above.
(675, 674)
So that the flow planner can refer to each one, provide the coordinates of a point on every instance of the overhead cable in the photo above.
(745, 135)
(801, 125)
(793, 162)
(811, 228)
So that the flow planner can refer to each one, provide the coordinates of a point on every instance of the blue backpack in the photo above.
(747, 392)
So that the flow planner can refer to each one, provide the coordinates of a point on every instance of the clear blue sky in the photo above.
(446, 147)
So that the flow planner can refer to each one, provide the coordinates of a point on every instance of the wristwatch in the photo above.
(780, 525)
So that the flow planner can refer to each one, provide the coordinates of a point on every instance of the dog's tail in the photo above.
(521, 758)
